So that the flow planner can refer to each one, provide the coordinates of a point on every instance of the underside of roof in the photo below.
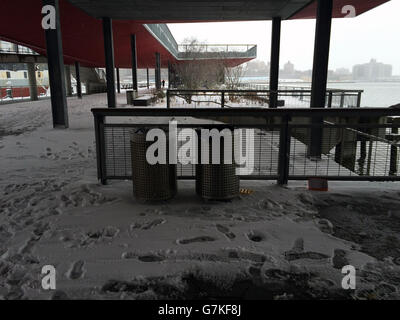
(191, 10)
(82, 35)
(340, 8)
(214, 10)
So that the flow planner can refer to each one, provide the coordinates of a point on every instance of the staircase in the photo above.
(93, 78)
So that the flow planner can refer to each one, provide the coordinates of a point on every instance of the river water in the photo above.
(376, 94)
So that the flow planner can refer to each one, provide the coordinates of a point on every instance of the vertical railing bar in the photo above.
(369, 157)
(113, 148)
(359, 100)
(329, 142)
(284, 139)
(124, 137)
(271, 159)
(387, 158)
(305, 155)
(376, 149)
(342, 99)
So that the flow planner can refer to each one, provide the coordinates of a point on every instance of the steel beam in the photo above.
(32, 81)
(274, 70)
(169, 74)
(158, 71)
(134, 62)
(56, 70)
(68, 84)
(78, 80)
(118, 81)
(109, 59)
(320, 70)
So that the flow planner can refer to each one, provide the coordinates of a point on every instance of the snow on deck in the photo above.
(54, 211)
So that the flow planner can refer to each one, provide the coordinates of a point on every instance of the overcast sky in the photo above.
(375, 34)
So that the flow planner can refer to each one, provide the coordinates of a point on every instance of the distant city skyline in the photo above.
(372, 70)
(372, 35)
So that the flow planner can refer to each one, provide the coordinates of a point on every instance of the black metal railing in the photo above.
(199, 51)
(298, 98)
(18, 50)
(15, 93)
(354, 144)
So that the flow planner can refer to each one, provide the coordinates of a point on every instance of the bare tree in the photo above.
(233, 76)
(198, 69)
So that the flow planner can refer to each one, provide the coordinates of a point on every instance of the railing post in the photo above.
(359, 100)
(78, 81)
(393, 153)
(342, 100)
(222, 99)
(330, 99)
(168, 99)
(100, 148)
(274, 69)
(284, 152)
(369, 161)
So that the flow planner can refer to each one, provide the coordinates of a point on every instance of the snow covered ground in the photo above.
(276, 243)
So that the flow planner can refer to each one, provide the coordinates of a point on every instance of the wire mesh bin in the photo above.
(217, 181)
(156, 182)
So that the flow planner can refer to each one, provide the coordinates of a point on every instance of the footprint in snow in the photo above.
(196, 239)
(255, 236)
(154, 223)
(144, 257)
(297, 252)
(76, 271)
(226, 231)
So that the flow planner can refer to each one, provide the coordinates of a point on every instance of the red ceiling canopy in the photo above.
(82, 35)
(360, 7)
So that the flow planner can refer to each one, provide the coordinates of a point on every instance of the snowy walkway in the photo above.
(53, 211)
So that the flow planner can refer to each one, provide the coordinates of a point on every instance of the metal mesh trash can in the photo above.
(150, 182)
(217, 181)
(130, 96)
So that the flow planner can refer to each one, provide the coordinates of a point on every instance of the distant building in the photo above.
(372, 71)
(10, 78)
(257, 68)
(288, 68)
(343, 72)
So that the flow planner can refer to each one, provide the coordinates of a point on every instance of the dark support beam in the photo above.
(274, 70)
(394, 154)
(109, 59)
(158, 71)
(78, 80)
(134, 62)
(118, 81)
(284, 152)
(55, 62)
(169, 74)
(320, 71)
(148, 78)
(68, 83)
(32, 81)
